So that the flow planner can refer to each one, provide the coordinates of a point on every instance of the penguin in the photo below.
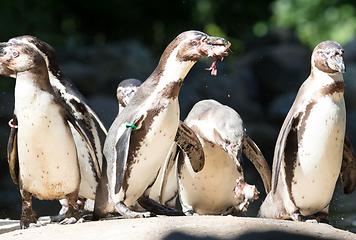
(75, 103)
(125, 91)
(165, 188)
(221, 132)
(141, 136)
(44, 148)
(311, 148)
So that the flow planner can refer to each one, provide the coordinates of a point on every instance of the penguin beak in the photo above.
(336, 62)
(215, 46)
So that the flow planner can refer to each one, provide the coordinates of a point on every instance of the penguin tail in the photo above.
(272, 208)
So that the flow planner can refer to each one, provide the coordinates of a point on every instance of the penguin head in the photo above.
(328, 56)
(193, 45)
(47, 51)
(218, 124)
(126, 90)
(19, 57)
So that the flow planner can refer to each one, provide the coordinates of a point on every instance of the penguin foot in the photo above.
(68, 221)
(322, 217)
(159, 209)
(28, 216)
(127, 213)
(59, 218)
(44, 220)
(296, 216)
(87, 216)
(49, 219)
(190, 211)
(38, 224)
(236, 212)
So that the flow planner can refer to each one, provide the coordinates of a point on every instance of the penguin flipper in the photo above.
(95, 118)
(281, 145)
(12, 154)
(254, 154)
(122, 152)
(82, 133)
(190, 144)
(348, 167)
(168, 165)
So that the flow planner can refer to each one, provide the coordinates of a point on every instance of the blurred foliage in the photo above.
(75, 23)
(72, 24)
(317, 20)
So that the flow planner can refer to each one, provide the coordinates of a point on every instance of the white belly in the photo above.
(210, 190)
(46, 150)
(152, 154)
(319, 160)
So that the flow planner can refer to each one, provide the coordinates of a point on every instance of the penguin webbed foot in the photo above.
(73, 214)
(157, 208)
(51, 219)
(236, 212)
(190, 211)
(28, 216)
(128, 213)
(322, 217)
(297, 216)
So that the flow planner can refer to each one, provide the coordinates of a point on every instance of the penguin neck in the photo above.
(326, 84)
(32, 87)
(326, 78)
(322, 79)
(37, 78)
(121, 108)
(169, 74)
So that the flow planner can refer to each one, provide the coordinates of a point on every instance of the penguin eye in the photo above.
(195, 42)
(326, 54)
(15, 53)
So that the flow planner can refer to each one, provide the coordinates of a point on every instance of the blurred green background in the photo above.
(76, 23)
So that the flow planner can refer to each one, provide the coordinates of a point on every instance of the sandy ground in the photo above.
(215, 227)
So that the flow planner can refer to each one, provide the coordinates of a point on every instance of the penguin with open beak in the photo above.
(165, 188)
(140, 138)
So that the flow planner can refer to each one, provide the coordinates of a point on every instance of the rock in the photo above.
(197, 227)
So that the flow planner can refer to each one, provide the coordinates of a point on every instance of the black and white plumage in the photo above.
(73, 101)
(42, 154)
(310, 147)
(165, 188)
(210, 191)
(141, 136)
